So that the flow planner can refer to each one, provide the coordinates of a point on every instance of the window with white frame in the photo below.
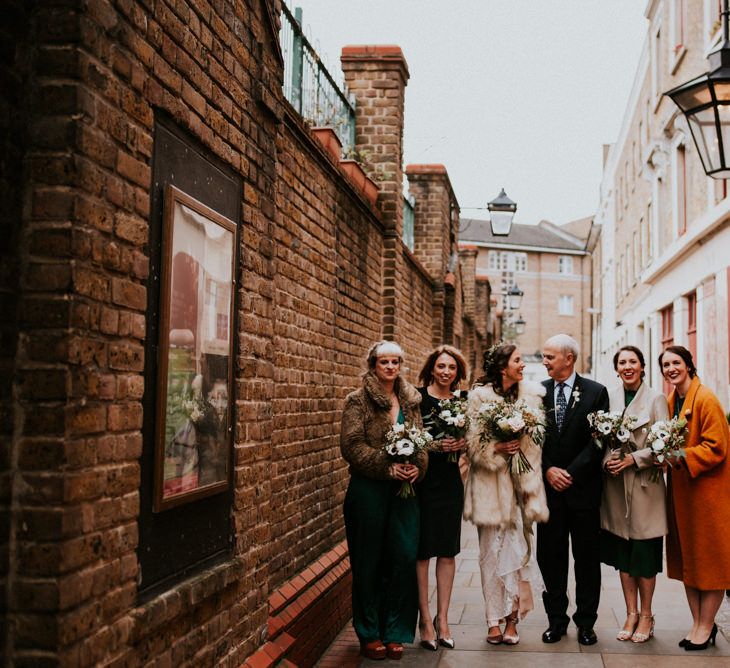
(680, 190)
(677, 18)
(652, 230)
(565, 264)
(713, 22)
(656, 67)
(507, 261)
(565, 305)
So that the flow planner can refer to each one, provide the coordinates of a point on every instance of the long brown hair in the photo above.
(494, 362)
(425, 377)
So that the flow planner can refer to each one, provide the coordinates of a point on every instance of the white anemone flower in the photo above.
(658, 445)
(516, 423)
(405, 447)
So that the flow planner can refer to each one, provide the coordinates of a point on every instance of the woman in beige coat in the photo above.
(633, 508)
(504, 505)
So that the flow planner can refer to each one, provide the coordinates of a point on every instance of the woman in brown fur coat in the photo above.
(504, 505)
(382, 528)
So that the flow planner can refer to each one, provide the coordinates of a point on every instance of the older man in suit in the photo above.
(572, 470)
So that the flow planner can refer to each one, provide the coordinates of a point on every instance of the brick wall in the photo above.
(322, 274)
(14, 67)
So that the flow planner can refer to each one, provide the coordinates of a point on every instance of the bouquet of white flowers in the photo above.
(611, 428)
(506, 421)
(666, 438)
(451, 421)
(402, 442)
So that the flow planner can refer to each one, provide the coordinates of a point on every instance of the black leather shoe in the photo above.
(554, 633)
(587, 636)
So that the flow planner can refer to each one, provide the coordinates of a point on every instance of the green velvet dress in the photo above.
(382, 537)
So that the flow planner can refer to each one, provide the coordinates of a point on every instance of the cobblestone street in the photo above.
(466, 618)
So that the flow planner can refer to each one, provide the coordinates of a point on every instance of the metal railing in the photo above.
(309, 86)
(409, 221)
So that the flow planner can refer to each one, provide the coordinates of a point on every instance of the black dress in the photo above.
(441, 496)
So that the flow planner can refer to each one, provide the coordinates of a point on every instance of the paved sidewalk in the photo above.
(466, 618)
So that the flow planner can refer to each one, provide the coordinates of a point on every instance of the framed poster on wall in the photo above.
(193, 436)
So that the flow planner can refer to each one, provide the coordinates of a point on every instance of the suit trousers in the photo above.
(382, 538)
(580, 527)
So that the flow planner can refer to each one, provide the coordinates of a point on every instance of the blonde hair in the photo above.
(382, 348)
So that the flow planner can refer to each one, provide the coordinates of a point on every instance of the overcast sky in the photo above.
(520, 94)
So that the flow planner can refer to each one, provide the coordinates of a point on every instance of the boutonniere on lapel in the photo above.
(576, 396)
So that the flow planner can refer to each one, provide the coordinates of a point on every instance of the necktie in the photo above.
(560, 406)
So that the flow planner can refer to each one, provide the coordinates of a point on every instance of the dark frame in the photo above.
(193, 425)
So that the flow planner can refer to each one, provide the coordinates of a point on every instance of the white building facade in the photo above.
(663, 274)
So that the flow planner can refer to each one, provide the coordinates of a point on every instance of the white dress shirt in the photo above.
(567, 390)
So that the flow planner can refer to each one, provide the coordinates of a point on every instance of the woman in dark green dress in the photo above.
(441, 497)
(381, 527)
(633, 508)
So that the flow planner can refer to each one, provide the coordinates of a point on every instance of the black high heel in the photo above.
(683, 642)
(431, 645)
(691, 647)
(444, 642)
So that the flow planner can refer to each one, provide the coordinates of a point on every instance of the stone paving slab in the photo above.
(466, 618)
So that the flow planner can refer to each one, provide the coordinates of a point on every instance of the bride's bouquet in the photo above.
(611, 429)
(402, 442)
(666, 438)
(506, 421)
(450, 421)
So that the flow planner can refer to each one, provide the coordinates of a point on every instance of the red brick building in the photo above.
(136, 134)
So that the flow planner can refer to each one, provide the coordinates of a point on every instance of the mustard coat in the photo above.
(632, 505)
(698, 544)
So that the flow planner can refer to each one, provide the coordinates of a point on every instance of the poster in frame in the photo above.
(193, 434)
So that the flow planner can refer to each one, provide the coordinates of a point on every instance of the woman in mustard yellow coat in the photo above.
(698, 508)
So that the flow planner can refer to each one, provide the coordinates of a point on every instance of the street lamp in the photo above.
(501, 212)
(520, 326)
(705, 103)
(514, 297)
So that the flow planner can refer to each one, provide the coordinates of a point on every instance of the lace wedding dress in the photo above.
(504, 578)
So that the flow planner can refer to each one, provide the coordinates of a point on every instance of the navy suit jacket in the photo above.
(573, 447)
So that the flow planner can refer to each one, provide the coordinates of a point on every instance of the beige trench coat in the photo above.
(632, 505)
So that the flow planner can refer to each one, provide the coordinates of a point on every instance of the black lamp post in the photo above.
(514, 297)
(520, 325)
(705, 103)
(501, 212)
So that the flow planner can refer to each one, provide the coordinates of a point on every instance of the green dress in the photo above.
(382, 538)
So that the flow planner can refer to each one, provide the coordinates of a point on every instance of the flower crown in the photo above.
(490, 355)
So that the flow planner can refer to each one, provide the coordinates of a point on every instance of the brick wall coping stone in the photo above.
(380, 53)
(294, 600)
(434, 171)
(468, 248)
(426, 169)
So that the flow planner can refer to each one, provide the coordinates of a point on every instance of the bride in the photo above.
(504, 504)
